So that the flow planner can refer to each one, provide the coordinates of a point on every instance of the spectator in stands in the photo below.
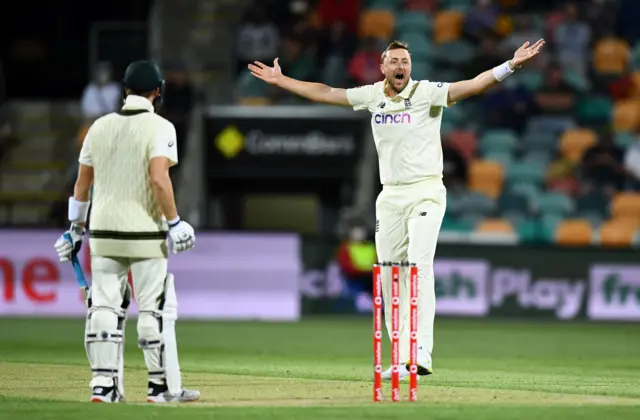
(481, 19)
(572, 39)
(299, 58)
(488, 57)
(102, 95)
(364, 67)
(632, 165)
(524, 31)
(177, 105)
(356, 256)
(455, 169)
(602, 165)
(346, 11)
(334, 52)
(555, 101)
(628, 16)
(258, 37)
(562, 176)
(508, 105)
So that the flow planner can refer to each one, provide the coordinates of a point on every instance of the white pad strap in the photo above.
(502, 71)
(78, 210)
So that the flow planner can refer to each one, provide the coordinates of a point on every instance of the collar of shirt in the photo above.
(405, 93)
(137, 102)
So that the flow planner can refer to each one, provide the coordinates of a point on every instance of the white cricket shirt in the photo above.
(406, 129)
(125, 219)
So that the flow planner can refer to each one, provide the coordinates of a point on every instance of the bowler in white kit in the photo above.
(405, 119)
(126, 155)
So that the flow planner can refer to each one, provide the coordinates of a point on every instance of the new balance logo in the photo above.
(424, 213)
(377, 226)
(382, 104)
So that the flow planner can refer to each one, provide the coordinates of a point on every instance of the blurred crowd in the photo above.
(548, 155)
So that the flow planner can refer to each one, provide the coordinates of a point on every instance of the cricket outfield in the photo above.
(321, 368)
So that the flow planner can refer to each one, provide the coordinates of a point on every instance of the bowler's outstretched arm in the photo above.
(316, 92)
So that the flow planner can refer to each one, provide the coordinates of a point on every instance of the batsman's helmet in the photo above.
(142, 77)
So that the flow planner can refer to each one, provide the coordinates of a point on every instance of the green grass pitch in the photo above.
(321, 368)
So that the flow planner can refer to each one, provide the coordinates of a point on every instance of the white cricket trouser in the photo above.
(408, 220)
(109, 278)
(109, 275)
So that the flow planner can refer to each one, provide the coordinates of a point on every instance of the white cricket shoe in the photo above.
(403, 373)
(160, 394)
(106, 394)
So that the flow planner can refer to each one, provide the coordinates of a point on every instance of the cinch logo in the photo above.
(404, 118)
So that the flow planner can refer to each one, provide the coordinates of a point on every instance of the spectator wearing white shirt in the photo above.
(102, 95)
(632, 165)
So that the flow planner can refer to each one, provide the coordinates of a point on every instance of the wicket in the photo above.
(395, 330)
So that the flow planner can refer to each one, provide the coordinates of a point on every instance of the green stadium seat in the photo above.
(498, 140)
(540, 157)
(624, 139)
(526, 172)
(555, 203)
(414, 22)
(593, 203)
(456, 52)
(510, 202)
(455, 114)
(530, 191)
(392, 5)
(544, 142)
(576, 80)
(504, 158)
(461, 5)
(421, 69)
(248, 86)
(528, 230)
(547, 226)
(636, 240)
(420, 45)
(453, 224)
(480, 203)
(530, 79)
(594, 109)
(635, 57)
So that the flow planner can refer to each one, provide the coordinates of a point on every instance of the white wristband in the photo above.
(502, 71)
(173, 222)
(78, 210)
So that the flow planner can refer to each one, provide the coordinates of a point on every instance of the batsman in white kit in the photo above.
(126, 155)
(405, 119)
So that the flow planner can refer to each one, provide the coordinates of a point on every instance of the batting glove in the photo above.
(69, 243)
(182, 235)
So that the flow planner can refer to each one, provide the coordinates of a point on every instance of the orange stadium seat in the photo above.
(486, 177)
(626, 205)
(616, 234)
(611, 56)
(448, 26)
(574, 232)
(574, 142)
(377, 24)
(494, 226)
(626, 115)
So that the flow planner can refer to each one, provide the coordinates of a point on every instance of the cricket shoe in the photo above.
(160, 394)
(403, 373)
(106, 394)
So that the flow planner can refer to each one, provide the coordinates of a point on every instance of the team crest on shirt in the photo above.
(407, 103)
